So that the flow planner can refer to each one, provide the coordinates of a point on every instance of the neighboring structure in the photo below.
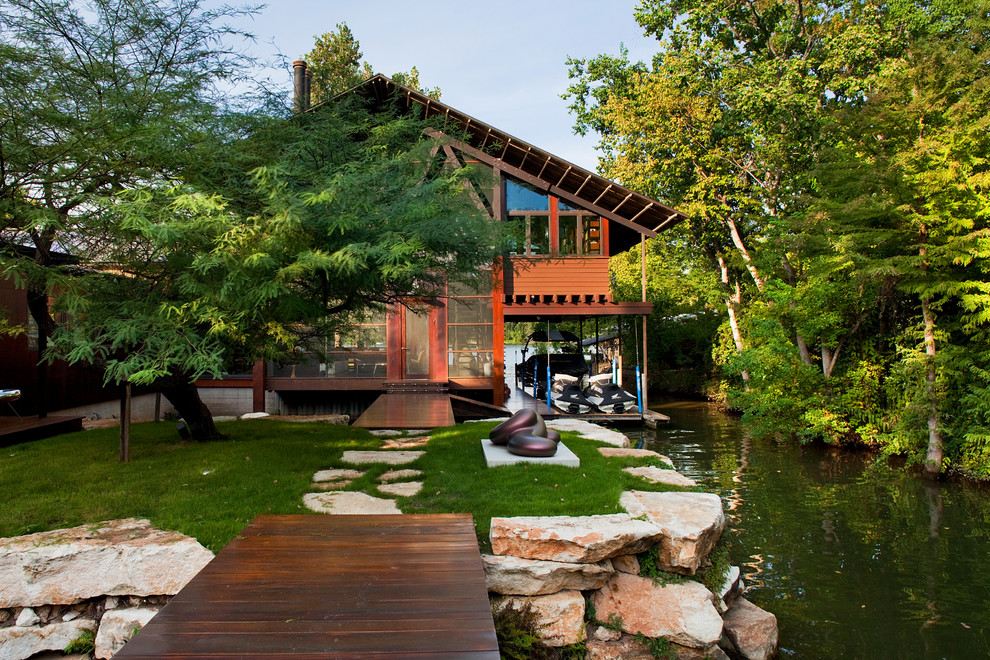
(44, 388)
(566, 222)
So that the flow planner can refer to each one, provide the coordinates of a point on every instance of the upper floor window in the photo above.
(542, 224)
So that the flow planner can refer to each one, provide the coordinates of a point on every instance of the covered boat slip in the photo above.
(328, 586)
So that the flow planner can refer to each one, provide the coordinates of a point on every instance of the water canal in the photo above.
(855, 561)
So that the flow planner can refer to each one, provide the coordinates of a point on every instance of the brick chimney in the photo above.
(300, 79)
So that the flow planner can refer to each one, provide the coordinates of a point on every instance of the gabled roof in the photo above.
(531, 164)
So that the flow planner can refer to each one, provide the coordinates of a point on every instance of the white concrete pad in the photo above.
(496, 455)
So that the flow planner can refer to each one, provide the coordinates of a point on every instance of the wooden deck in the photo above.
(321, 586)
(404, 410)
(22, 429)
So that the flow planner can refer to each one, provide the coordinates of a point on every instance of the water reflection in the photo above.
(856, 560)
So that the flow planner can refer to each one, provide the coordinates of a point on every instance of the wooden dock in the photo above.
(322, 586)
(407, 410)
(22, 429)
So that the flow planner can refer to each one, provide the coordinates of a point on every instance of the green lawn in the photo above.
(211, 491)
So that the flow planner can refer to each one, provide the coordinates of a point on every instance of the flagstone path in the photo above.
(395, 451)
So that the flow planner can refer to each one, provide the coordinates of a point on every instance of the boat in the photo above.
(532, 370)
(608, 397)
(567, 395)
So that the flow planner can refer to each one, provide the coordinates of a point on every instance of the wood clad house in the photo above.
(565, 223)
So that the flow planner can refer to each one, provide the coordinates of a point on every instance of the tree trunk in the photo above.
(802, 345)
(933, 458)
(738, 242)
(184, 396)
(732, 301)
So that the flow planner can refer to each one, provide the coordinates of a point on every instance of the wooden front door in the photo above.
(418, 328)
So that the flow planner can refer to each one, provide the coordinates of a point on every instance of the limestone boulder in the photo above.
(118, 557)
(626, 564)
(732, 588)
(623, 648)
(505, 574)
(559, 616)
(683, 613)
(657, 475)
(19, 642)
(687, 653)
(691, 524)
(118, 626)
(582, 539)
(752, 630)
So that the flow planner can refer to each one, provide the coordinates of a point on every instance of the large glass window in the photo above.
(578, 232)
(359, 352)
(521, 197)
(470, 332)
(568, 225)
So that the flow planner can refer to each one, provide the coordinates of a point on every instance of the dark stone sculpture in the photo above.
(524, 420)
(526, 434)
(523, 444)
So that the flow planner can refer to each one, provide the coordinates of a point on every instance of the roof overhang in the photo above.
(528, 163)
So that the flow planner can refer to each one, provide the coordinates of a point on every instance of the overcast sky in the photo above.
(503, 63)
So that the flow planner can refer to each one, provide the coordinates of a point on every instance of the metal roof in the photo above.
(531, 164)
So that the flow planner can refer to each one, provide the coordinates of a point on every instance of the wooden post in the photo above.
(125, 423)
(642, 258)
(258, 386)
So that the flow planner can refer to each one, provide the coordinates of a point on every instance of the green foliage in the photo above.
(85, 643)
(649, 567)
(834, 162)
(335, 66)
(659, 647)
(518, 633)
(716, 570)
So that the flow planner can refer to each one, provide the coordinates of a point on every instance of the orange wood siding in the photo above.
(558, 276)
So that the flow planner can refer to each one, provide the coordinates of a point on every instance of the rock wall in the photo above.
(103, 580)
(557, 566)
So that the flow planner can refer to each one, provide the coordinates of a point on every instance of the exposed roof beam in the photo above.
(666, 223)
(625, 199)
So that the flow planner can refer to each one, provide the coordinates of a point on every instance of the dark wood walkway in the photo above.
(406, 410)
(22, 429)
(321, 586)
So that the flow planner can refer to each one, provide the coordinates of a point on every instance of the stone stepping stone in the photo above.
(355, 457)
(619, 452)
(385, 432)
(349, 503)
(332, 485)
(337, 474)
(588, 430)
(406, 443)
(396, 475)
(404, 489)
(657, 475)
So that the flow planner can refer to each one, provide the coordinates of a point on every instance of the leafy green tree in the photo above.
(95, 98)
(906, 182)
(335, 65)
(322, 218)
(832, 157)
